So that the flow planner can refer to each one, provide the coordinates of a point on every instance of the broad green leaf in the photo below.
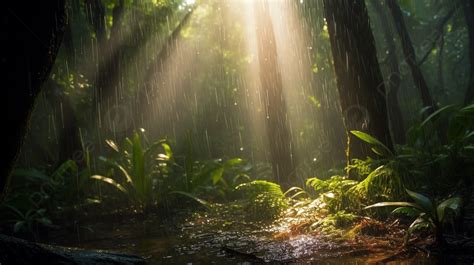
(110, 181)
(399, 204)
(424, 202)
(300, 193)
(313, 182)
(18, 226)
(119, 167)
(233, 162)
(292, 189)
(168, 150)
(257, 187)
(189, 195)
(216, 175)
(435, 114)
(15, 210)
(205, 175)
(468, 108)
(408, 211)
(125, 173)
(377, 151)
(451, 203)
(371, 140)
(63, 168)
(138, 165)
(366, 137)
(152, 148)
(112, 145)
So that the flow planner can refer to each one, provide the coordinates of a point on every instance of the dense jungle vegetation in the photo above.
(212, 131)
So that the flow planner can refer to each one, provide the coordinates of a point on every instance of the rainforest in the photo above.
(238, 132)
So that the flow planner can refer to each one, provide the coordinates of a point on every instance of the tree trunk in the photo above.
(410, 56)
(394, 78)
(108, 74)
(279, 139)
(95, 11)
(69, 136)
(359, 79)
(33, 36)
(68, 43)
(469, 16)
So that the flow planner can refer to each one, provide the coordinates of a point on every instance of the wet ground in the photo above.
(217, 238)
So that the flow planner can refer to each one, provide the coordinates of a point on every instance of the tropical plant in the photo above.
(263, 200)
(206, 176)
(149, 176)
(334, 222)
(383, 183)
(140, 168)
(452, 161)
(29, 221)
(428, 214)
(331, 192)
(64, 184)
(376, 146)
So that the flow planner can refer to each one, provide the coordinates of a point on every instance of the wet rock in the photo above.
(18, 251)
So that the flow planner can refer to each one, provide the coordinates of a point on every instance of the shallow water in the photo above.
(201, 239)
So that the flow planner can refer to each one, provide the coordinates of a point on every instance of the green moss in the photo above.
(263, 200)
(335, 224)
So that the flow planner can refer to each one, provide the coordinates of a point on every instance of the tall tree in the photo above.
(410, 55)
(33, 36)
(394, 78)
(359, 79)
(469, 16)
(66, 119)
(109, 57)
(279, 139)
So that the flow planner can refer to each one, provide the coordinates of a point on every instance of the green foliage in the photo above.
(256, 187)
(449, 163)
(423, 163)
(29, 221)
(376, 146)
(64, 184)
(360, 169)
(191, 196)
(40, 193)
(331, 192)
(334, 223)
(148, 177)
(383, 183)
(137, 167)
(264, 200)
(427, 212)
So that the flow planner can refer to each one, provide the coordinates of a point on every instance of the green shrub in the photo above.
(263, 200)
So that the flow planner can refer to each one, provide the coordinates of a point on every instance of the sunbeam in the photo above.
(238, 132)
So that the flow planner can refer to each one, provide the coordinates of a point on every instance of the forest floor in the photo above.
(225, 234)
